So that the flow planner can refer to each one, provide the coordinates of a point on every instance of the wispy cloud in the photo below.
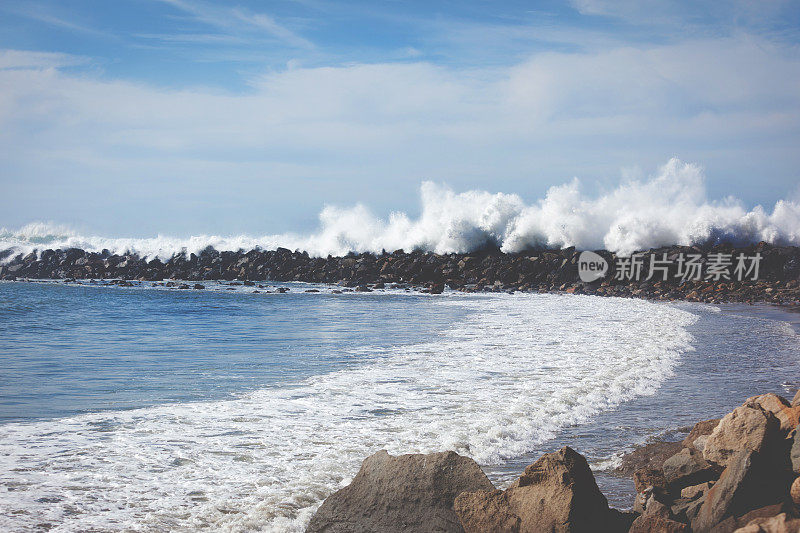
(194, 38)
(777, 18)
(236, 20)
(24, 59)
(44, 14)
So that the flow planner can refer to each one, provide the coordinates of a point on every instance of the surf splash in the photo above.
(669, 208)
(509, 376)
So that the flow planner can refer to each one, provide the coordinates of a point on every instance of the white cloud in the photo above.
(679, 15)
(722, 87)
(370, 127)
(26, 59)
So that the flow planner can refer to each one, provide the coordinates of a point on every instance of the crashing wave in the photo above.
(669, 208)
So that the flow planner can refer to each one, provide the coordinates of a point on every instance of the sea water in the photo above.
(151, 409)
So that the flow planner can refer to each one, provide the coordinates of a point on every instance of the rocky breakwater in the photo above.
(735, 474)
(719, 273)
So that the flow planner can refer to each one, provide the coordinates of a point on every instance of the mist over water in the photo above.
(670, 207)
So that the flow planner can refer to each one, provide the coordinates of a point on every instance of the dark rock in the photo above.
(408, 493)
(650, 480)
(782, 523)
(794, 491)
(679, 507)
(762, 512)
(620, 521)
(557, 493)
(695, 491)
(657, 517)
(686, 468)
(726, 526)
(746, 428)
(748, 482)
(794, 452)
(701, 429)
(481, 271)
(693, 509)
(650, 457)
(796, 399)
(787, 416)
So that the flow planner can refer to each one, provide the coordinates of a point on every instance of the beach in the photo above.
(262, 440)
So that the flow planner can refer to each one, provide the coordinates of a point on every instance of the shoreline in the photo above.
(777, 275)
(735, 307)
(676, 420)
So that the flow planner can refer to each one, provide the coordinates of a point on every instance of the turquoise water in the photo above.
(146, 408)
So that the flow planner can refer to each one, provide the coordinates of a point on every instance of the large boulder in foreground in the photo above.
(747, 428)
(557, 493)
(408, 493)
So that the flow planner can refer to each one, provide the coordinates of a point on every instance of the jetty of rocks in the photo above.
(777, 279)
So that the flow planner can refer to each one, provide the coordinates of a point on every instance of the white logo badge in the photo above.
(591, 266)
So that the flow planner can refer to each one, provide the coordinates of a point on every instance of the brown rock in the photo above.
(680, 507)
(746, 428)
(794, 452)
(409, 493)
(657, 518)
(489, 510)
(695, 491)
(726, 526)
(557, 493)
(687, 467)
(762, 512)
(650, 456)
(748, 482)
(649, 478)
(701, 429)
(693, 509)
(794, 492)
(781, 523)
(796, 399)
(787, 415)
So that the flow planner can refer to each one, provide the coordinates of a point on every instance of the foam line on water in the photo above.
(671, 207)
(492, 387)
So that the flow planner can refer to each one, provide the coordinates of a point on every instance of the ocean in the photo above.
(236, 408)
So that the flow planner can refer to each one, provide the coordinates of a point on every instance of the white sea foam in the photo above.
(669, 208)
(494, 386)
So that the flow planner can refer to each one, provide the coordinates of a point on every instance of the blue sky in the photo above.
(184, 117)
